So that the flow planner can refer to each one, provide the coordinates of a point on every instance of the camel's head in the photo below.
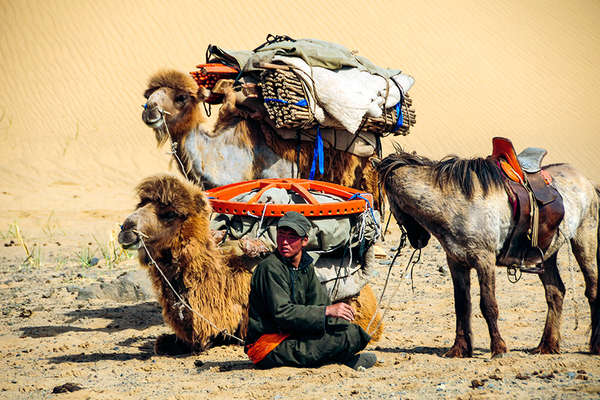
(167, 213)
(172, 103)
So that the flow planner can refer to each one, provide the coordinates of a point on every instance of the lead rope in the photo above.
(387, 278)
(174, 145)
(181, 300)
(398, 286)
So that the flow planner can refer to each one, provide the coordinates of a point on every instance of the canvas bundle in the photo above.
(287, 100)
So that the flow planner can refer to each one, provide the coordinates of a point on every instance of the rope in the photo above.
(258, 234)
(387, 278)
(398, 286)
(174, 145)
(387, 224)
(370, 208)
(181, 300)
(173, 152)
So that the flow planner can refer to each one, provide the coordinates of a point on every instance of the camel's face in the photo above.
(165, 205)
(164, 105)
(154, 224)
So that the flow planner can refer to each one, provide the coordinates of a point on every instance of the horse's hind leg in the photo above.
(461, 279)
(555, 293)
(486, 272)
(585, 249)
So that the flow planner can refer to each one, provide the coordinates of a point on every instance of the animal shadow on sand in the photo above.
(439, 351)
(117, 355)
(224, 366)
(138, 316)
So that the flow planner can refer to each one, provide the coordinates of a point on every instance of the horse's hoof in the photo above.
(499, 355)
(546, 349)
(456, 353)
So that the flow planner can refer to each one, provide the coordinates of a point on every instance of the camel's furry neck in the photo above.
(201, 276)
(232, 153)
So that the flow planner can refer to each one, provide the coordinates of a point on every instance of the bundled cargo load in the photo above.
(344, 226)
(309, 85)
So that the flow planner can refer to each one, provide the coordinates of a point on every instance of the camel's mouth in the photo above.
(129, 240)
(153, 116)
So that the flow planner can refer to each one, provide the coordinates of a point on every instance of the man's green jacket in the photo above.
(284, 299)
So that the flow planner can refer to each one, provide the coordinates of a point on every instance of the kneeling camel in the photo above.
(171, 227)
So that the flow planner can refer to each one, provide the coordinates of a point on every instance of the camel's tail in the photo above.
(595, 339)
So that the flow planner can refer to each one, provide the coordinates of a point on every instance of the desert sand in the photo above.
(73, 147)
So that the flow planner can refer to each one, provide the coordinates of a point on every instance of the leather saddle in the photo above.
(537, 206)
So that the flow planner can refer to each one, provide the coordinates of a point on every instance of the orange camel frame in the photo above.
(220, 198)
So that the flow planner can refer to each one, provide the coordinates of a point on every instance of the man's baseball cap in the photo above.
(296, 222)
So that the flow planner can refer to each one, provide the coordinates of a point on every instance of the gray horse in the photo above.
(463, 204)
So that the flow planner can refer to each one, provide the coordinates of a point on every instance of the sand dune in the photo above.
(73, 73)
(73, 146)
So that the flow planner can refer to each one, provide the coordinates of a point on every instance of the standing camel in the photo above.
(464, 205)
(237, 149)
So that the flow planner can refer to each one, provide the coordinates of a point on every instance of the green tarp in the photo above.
(316, 53)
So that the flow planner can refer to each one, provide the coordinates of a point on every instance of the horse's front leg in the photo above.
(461, 279)
(486, 272)
(555, 293)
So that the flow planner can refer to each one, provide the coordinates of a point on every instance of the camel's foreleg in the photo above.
(461, 279)
(486, 273)
(555, 293)
(171, 345)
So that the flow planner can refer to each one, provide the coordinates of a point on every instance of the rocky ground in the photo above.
(72, 316)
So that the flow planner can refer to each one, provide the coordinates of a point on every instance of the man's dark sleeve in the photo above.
(318, 295)
(290, 317)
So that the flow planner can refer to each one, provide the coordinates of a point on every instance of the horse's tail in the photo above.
(595, 339)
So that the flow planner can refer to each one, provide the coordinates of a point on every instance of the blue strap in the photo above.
(317, 155)
(399, 117)
(301, 102)
(358, 195)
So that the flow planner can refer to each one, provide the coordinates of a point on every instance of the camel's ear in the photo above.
(375, 161)
(201, 201)
(223, 85)
(203, 93)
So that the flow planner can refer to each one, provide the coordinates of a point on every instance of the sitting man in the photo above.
(291, 319)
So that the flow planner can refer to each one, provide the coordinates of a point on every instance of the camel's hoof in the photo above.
(170, 345)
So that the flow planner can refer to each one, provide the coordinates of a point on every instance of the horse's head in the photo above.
(417, 235)
(172, 100)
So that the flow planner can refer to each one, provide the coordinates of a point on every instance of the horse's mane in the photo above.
(449, 171)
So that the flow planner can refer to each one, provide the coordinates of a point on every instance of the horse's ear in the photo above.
(375, 161)
(202, 93)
